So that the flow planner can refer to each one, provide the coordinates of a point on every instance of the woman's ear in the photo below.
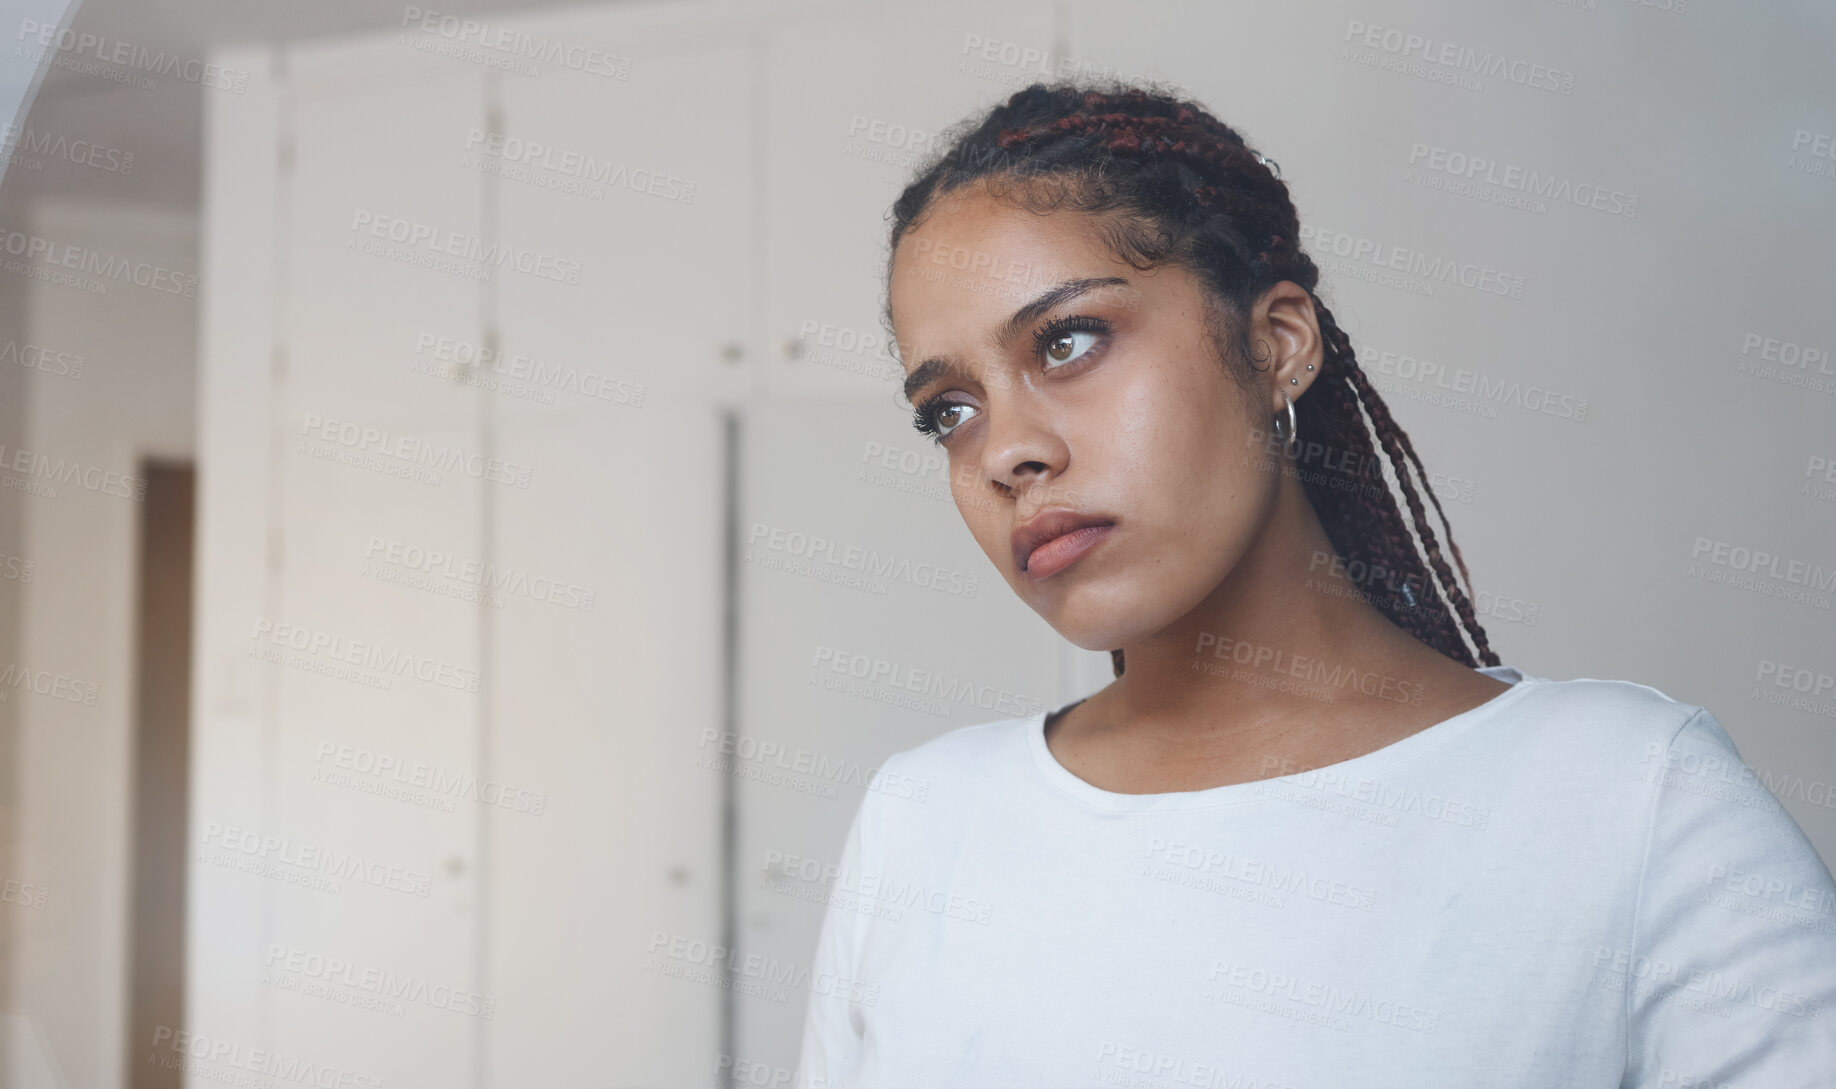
(1291, 347)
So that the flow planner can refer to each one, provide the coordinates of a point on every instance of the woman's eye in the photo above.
(949, 416)
(938, 417)
(1064, 348)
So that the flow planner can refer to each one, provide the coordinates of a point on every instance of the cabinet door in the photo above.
(607, 671)
(335, 880)
(842, 666)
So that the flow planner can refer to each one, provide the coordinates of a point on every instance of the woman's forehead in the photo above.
(977, 264)
(975, 232)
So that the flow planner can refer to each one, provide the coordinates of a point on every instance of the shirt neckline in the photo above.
(1389, 756)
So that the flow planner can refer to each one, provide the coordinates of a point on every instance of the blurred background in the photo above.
(463, 557)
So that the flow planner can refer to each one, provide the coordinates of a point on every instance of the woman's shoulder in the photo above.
(1613, 741)
(929, 792)
(1593, 712)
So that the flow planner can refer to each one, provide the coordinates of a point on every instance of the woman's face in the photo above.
(1121, 411)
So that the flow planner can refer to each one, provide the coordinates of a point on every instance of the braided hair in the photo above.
(1169, 182)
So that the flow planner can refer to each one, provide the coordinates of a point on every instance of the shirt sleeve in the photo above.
(832, 1031)
(1730, 980)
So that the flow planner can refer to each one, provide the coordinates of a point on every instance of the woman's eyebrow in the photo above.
(932, 368)
(1044, 301)
(1052, 296)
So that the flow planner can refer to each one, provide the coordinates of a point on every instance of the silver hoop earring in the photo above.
(1290, 440)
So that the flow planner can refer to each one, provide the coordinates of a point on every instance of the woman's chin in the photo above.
(1111, 615)
(1092, 636)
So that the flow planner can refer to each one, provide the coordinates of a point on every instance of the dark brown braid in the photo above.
(1169, 182)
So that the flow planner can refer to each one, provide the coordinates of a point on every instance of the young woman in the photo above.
(1308, 836)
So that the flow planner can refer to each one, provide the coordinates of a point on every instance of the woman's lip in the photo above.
(1062, 551)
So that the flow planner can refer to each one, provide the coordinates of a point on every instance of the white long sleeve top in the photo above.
(1577, 884)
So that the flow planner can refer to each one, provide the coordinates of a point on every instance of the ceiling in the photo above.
(163, 127)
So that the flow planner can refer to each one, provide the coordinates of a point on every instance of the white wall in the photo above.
(76, 616)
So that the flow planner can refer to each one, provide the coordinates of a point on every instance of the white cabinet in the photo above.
(605, 709)
(498, 381)
(374, 464)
